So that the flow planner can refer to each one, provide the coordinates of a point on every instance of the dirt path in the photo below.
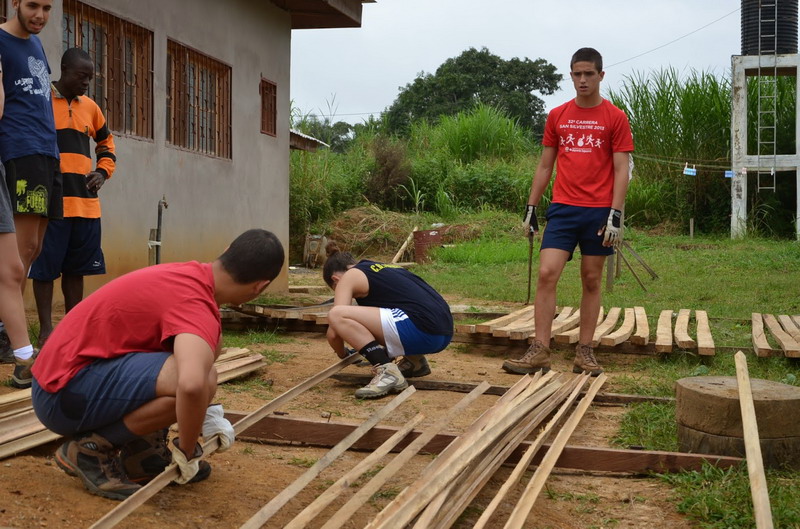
(36, 493)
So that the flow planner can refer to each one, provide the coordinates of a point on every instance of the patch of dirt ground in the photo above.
(35, 493)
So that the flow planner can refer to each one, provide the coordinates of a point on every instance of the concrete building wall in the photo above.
(210, 200)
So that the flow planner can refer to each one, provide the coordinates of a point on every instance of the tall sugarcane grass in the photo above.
(686, 120)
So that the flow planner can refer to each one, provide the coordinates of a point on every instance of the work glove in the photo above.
(215, 423)
(613, 229)
(188, 466)
(529, 221)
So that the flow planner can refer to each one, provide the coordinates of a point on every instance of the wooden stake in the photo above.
(402, 249)
(323, 500)
(523, 508)
(752, 445)
(371, 487)
(266, 512)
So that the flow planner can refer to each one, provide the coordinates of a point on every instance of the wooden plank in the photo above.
(357, 380)
(526, 322)
(402, 249)
(642, 335)
(377, 481)
(796, 319)
(569, 322)
(22, 444)
(752, 446)
(682, 337)
(573, 335)
(209, 447)
(275, 504)
(487, 326)
(15, 400)
(664, 332)
(790, 348)
(321, 433)
(605, 327)
(345, 482)
(790, 327)
(705, 342)
(760, 343)
(535, 485)
(623, 333)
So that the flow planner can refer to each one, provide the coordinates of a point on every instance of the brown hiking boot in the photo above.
(22, 378)
(97, 463)
(147, 456)
(536, 358)
(585, 361)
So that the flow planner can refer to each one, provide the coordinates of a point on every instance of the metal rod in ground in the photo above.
(650, 271)
(619, 252)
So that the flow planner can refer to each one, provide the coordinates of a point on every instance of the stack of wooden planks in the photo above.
(784, 329)
(20, 430)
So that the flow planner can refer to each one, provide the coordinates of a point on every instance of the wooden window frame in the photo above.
(199, 96)
(123, 56)
(268, 91)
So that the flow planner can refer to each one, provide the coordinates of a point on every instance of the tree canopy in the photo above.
(477, 76)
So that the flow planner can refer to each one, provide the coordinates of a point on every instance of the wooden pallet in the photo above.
(784, 329)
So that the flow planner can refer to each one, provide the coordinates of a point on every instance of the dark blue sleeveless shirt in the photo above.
(27, 126)
(393, 287)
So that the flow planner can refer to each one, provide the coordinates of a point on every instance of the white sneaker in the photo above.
(387, 379)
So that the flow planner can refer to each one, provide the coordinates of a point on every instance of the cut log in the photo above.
(623, 333)
(705, 342)
(760, 343)
(664, 332)
(607, 325)
(790, 348)
(682, 338)
(642, 336)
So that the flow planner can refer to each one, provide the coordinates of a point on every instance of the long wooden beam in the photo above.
(285, 429)
(465, 387)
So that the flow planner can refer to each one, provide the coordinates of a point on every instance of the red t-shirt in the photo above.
(586, 139)
(139, 312)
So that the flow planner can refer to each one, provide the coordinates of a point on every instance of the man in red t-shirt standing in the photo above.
(138, 355)
(589, 141)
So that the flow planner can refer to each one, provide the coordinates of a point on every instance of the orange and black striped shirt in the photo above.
(76, 122)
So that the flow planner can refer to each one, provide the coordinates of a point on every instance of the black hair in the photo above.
(587, 55)
(337, 261)
(255, 255)
(72, 57)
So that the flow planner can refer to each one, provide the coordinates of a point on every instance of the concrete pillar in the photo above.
(738, 148)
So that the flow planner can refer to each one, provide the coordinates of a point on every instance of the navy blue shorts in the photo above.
(71, 246)
(571, 226)
(35, 185)
(100, 394)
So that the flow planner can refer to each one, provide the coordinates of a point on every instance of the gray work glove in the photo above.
(529, 221)
(612, 229)
(215, 423)
(188, 466)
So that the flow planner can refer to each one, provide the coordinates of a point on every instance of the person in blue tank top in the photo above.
(397, 315)
(28, 151)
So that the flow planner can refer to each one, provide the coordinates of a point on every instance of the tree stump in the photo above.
(710, 420)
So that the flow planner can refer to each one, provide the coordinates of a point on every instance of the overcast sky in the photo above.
(352, 73)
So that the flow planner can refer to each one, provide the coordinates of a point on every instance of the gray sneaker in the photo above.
(387, 379)
(414, 366)
(6, 351)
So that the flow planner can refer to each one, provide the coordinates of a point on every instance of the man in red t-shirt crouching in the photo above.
(138, 355)
(589, 141)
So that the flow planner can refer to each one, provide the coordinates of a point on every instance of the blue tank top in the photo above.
(394, 287)
(27, 126)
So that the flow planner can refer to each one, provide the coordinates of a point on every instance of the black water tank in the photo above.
(786, 26)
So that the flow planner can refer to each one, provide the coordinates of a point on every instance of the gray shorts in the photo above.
(100, 394)
(6, 212)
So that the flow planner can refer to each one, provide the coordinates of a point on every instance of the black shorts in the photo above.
(35, 186)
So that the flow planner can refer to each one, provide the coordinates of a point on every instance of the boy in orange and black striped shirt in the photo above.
(71, 247)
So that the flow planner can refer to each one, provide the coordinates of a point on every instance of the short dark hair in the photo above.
(337, 261)
(255, 255)
(587, 55)
(72, 57)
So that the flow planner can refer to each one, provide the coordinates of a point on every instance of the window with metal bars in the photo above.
(198, 101)
(269, 107)
(123, 56)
